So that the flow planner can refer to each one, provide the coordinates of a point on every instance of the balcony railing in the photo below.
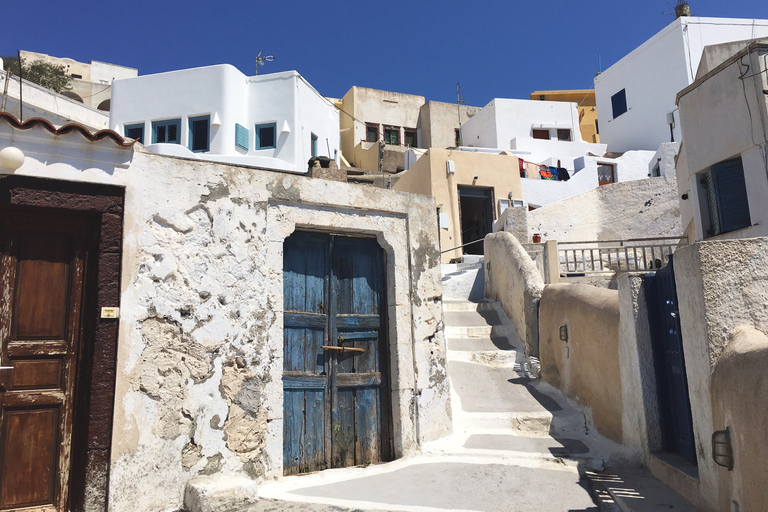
(608, 256)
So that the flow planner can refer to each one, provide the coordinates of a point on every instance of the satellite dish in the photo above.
(261, 60)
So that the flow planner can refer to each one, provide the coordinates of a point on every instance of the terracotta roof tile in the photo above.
(67, 128)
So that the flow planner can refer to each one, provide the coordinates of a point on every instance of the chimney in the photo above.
(682, 9)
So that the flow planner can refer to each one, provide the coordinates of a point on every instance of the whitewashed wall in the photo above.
(222, 90)
(654, 73)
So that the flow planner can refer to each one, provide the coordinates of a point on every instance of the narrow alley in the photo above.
(517, 445)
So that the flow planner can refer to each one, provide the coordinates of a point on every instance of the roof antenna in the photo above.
(261, 60)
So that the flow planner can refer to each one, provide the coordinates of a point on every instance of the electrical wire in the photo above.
(740, 62)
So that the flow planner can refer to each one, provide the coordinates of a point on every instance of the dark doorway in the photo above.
(669, 360)
(335, 382)
(476, 214)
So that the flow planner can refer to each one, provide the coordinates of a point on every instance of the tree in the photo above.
(50, 76)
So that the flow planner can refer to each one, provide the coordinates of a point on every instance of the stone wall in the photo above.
(585, 366)
(512, 278)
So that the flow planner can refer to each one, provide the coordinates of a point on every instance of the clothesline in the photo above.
(532, 170)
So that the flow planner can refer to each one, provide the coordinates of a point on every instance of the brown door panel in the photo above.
(42, 278)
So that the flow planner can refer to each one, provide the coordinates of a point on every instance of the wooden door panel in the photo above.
(42, 275)
(35, 374)
(41, 303)
(31, 449)
(333, 296)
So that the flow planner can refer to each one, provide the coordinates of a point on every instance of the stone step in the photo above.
(454, 331)
(465, 305)
(480, 318)
(566, 423)
(486, 344)
(491, 358)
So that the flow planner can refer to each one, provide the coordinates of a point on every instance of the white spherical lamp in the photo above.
(11, 158)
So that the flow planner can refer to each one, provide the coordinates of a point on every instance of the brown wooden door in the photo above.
(42, 278)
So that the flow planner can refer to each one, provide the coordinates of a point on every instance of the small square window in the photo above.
(241, 136)
(371, 132)
(605, 174)
(619, 103)
(166, 131)
(540, 134)
(564, 135)
(135, 131)
(313, 143)
(410, 137)
(392, 135)
(199, 133)
(266, 136)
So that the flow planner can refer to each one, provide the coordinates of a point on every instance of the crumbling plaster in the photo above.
(200, 355)
(200, 371)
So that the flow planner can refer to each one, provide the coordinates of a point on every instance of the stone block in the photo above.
(219, 493)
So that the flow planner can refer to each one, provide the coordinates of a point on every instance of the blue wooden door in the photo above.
(336, 400)
(671, 380)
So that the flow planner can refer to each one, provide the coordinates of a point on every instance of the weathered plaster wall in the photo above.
(634, 209)
(511, 277)
(438, 122)
(739, 403)
(199, 361)
(640, 414)
(586, 366)
(721, 285)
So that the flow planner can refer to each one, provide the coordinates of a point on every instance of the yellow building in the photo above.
(585, 99)
(471, 190)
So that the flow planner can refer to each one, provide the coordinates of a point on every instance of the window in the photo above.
(199, 133)
(540, 134)
(371, 132)
(410, 137)
(605, 174)
(458, 137)
(166, 131)
(619, 103)
(314, 144)
(392, 135)
(726, 197)
(135, 131)
(265, 136)
(564, 135)
(241, 136)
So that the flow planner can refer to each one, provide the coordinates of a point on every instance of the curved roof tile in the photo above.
(67, 128)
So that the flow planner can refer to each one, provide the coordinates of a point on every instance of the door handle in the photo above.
(343, 349)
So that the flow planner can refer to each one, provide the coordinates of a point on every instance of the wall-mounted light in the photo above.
(450, 167)
(564, 333)
(11, 158)
(722, 452)
(285, 128)
(474, 180)
(215, 120)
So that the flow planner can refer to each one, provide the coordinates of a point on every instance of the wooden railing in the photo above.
(608, 256)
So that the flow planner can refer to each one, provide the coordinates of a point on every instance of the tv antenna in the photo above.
(459, 102)
(261, 60)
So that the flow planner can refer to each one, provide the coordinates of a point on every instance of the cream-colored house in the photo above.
(471, 190)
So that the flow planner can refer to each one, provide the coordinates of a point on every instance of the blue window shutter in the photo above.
(266, 136)
(241, 136)
(732, 203)
(167, 131)
(619, 103)
(199, 133)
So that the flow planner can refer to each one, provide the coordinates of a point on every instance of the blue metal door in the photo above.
(671, 380)
(336, 400)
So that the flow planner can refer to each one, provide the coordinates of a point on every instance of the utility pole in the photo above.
(459, 102)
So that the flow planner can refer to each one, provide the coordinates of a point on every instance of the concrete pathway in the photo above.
(517, 445)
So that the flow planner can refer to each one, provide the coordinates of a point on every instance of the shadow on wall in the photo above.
(740, 404)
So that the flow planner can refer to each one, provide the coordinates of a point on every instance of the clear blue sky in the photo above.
(495, 48)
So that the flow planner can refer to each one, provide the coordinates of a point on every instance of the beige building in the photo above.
(471, 190)
(585, 99)
(91, 83)
(378, 124)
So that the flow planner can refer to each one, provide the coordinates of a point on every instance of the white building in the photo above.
(722, 168)
(636, 96)
(277, 121)
(539, 131)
